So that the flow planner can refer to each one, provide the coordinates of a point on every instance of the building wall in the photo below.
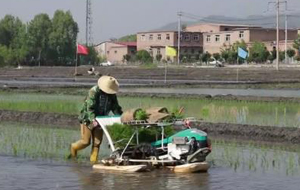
(203, 28)
(248, 35)
(214, 46)
(115, 52)
(155, 39)
(101, 49)
(155, 42)
(270, 35)
(212, 28)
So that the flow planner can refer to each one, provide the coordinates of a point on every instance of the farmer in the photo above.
(100, 100)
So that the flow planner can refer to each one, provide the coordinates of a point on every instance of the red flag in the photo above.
(82, 50)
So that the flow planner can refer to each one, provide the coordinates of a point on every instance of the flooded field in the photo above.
(283, 114)
(34, 157)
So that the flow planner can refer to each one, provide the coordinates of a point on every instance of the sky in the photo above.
(116, 18)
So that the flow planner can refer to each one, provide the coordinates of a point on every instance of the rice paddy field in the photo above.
(40, 152)
(36, 156)
(281, 114)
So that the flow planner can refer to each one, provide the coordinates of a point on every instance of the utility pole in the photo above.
(179, 37)
(286, 37)
(277, 4)
(88, 27)
(277, 36)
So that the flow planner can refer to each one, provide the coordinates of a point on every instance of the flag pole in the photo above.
(166, 72)
(76, 59)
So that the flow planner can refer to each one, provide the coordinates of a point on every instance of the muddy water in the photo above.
(235, 165)
(214, 92)
(18, 173)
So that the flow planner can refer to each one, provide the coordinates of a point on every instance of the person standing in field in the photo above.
(100, 101)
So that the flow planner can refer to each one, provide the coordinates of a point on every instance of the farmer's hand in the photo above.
(95, 123)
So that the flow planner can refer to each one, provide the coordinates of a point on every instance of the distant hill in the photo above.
(257, 20)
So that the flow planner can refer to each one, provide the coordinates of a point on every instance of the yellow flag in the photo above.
(171, 51)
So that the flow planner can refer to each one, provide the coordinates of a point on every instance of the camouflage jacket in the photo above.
(98, 103)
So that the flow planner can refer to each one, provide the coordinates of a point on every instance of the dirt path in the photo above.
(181, 73)
(245, 132)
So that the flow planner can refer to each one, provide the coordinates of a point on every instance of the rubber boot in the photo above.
(94, 155)
(75, 147)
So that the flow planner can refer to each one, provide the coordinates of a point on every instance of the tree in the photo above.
(128, 38)
(296, 44)
(13, 37)
(217, 56)
(258, 52)
(126, 58)
(205, 57)
(158, 57)
(8, 29)
(230, 54)
(291, 53)
(143, 56)
(39, 30)
(62, 39)
(92, 58)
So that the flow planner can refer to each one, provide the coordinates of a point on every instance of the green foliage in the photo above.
(281, 55)
(141, 115)
(258, 52)
(12, 41)
(205, 57)
(126, 57)
(296, 44)
(158, 57)
(39, 30)
(177, 113)
(143, 56)
(92, 58)
(6, 55)
(128, 38)
(291, 53)
(52, 41)
(121, 134)
(217, 56)
(230, 54)
(62, 39)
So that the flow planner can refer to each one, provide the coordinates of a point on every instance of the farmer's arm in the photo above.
(117, 109)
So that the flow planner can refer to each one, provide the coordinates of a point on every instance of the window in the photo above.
(227, 38)
(107, 52)
(167, 36)
(158, 50)
(150, 51)
(193, 51)
(116, 51)
(208, 38)
(143, 38)
(241, 34)
(187, 37)
(196, 37)
(159, 36)
(217, 39)
(151, 37)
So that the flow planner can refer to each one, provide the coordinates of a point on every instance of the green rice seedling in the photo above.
(224, 111)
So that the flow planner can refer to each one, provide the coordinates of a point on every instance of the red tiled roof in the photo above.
(126, 43)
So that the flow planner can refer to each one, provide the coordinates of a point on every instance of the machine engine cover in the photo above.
(175, 150)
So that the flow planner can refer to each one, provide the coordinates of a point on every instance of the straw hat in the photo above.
(108, 84)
